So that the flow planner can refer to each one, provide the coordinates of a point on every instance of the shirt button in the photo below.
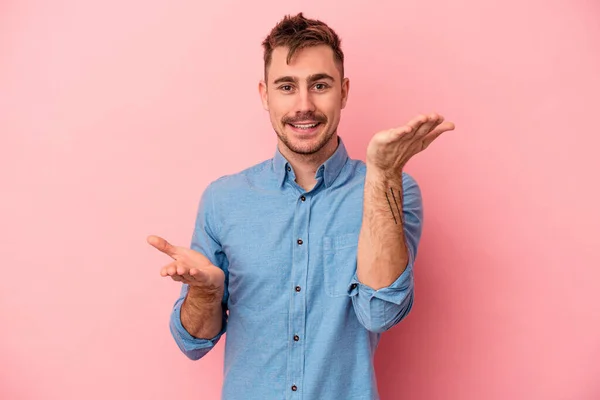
(294, 388)
(288, 168)
(298, 288)
(296, 338)
(302, 198)
(300, 241)
(353, 286)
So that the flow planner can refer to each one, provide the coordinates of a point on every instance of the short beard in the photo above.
(318, 117)
(305, 151)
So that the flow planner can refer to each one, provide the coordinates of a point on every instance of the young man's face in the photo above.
(304, 98)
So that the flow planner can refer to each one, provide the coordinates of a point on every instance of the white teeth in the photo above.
(305, 126)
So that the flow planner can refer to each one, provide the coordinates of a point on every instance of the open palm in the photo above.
(190, 267)
(391, 149)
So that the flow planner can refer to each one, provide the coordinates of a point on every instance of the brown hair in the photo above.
(297, 32)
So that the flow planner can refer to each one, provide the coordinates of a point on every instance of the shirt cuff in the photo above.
(394, 293)
(188, 342)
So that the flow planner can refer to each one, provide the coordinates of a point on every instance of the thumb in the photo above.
(162, 245)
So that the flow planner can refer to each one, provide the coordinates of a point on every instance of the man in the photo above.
(306, 258)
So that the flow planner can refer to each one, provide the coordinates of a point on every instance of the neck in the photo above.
(306, 165)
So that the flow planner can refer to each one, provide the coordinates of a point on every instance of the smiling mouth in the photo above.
(305, 126)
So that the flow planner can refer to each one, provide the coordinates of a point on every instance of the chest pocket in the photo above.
(339, 263)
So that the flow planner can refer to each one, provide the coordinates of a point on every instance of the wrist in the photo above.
(201, 297)
(383, 175)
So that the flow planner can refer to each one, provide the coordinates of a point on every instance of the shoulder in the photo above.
(226, 184)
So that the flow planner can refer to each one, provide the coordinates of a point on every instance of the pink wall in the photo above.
(114, 115)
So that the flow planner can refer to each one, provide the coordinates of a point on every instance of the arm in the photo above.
(382, 250)
(197, 330)
(199, 317)
(383, 287)
(201, 313)
(382, 292)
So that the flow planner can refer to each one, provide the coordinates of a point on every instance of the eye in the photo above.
(286, 88)
(321, 86)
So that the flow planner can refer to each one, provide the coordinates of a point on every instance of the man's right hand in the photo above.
(206, 281)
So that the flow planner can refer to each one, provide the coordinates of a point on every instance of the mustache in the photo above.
(311, 116)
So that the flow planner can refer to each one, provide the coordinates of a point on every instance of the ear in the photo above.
(345, 91)
(264, 97)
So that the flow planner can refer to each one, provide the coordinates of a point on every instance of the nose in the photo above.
(305, 102)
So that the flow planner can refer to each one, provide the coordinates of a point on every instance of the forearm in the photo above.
(202, 313)
(382, 253)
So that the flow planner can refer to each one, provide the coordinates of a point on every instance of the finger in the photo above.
(163, 272)
(198, 275)
(184, 273)
(409, 130)
(445, 127)
(434, 134)
(187, 278)
(400, 132)
(192, 277)
(415, 124)
(169, 269)
(433, 120)
(181, 269)
(162, 245)
(177, 272)
(174, 268)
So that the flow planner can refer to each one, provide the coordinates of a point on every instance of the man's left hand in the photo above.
(390, 150)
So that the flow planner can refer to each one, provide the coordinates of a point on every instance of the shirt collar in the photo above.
(329, 170)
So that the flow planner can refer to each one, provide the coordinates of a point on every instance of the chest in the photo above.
(288, 240)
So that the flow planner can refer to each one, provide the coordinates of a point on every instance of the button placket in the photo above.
(297, 315)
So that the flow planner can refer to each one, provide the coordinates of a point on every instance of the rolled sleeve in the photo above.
(194, 348)
(379, 310)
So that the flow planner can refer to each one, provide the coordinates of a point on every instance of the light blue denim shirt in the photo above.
(298, 323)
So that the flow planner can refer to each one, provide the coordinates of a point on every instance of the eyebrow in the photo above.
(310, 79)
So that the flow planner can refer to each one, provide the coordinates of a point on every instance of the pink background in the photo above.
(114, 116)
